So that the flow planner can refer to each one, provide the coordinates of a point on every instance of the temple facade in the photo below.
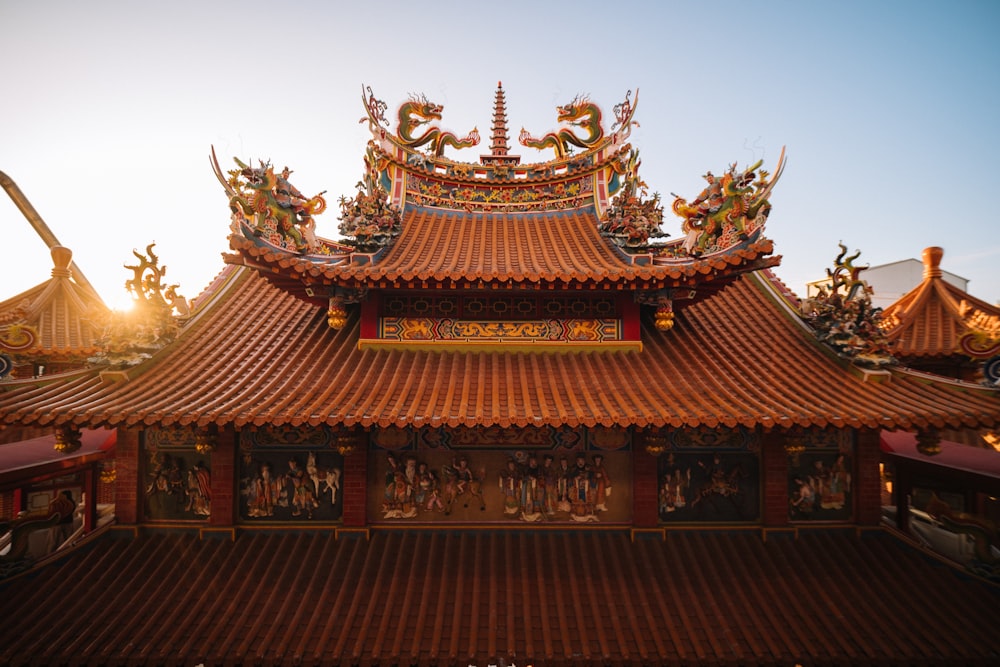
(499, 345)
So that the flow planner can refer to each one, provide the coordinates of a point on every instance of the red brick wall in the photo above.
(645, 510)
(127, 498)
(7, 505)
(774, 490)
(868, 482)
(106, 492)
(223, 469)
(356, 482)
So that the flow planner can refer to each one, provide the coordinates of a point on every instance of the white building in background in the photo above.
(889, 282)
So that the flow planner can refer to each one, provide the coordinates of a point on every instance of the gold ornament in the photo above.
(205, 442)
(336, 314)
(108, 474)
(929, 442)
(67, 440)
(665, 315)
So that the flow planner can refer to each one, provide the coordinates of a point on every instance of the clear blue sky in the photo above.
(889, 111)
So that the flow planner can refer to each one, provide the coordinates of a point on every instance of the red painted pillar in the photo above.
(355, 479)
(222, 467)
(868, 481)
(645, 471)
(127, 498)
(18, 501)
(774, 479)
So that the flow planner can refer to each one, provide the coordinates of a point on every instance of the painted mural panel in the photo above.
(497, 475)
(820, 475)
(177, 482)
(290, 475)
(708, 476)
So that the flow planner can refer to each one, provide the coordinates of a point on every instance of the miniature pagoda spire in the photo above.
(499, 146)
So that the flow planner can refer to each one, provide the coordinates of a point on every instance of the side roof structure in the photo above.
(55, 321)
(935, 319)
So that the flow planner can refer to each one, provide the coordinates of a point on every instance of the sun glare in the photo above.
(121, 303)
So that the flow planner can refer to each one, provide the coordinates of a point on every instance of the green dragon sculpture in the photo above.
(419, 111)
(580, 113)
(730, 201)
(261, 195)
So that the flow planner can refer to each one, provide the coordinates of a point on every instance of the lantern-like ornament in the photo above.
(107, 473)
(205, 442)
(664, 315)
(795, 444)
(67, 439)
(345, 444)
(655, 444)
(929, 442)
(336, 314)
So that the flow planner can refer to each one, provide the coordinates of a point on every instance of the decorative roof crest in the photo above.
(268, 203)
(369, 218)
(154, 321)
(580, 120)
(729, 209)
(844, 318)
(632, 219)
(412, 115)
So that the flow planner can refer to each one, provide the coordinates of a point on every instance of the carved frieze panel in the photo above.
(496, 475)
(176, 477)
(707, 475)
(820, 474)
(292, 474)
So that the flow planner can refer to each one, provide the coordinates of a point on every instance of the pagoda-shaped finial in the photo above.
(932, 262)
(62, 258)
(499, 142)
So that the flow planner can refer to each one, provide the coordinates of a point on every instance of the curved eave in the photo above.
(262, 357)
(554, 250)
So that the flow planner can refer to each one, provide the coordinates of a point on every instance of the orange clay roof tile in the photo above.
(547, 247)
(64, 314)
(930, 319)
(260, 356)
(527, 597)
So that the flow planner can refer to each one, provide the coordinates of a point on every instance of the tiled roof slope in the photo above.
(60, 310)
(562, 247)
(929, 320)
(528, 597)
(260, 356)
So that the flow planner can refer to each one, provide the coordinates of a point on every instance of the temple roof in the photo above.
(257, 355)
(554, 248)
(478, 597)
(62, 315)
(932, 318)
(583, 219)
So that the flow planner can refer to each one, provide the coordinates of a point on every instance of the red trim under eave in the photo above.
(369, 316)
(31, 460)
(954, 455)
(631, 325)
